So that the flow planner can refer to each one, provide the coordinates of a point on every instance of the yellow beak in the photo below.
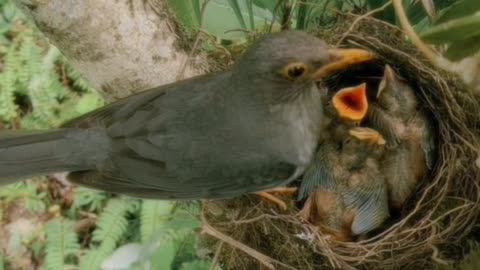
(342, 58)
(367, 134)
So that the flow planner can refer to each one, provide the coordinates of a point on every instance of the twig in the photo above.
(430, 54)
(262, 258)
(181, 73)
(216, 256)
(358, 19)
(274, 14)
(287, 15)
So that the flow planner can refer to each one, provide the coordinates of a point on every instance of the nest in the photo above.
(431, 227)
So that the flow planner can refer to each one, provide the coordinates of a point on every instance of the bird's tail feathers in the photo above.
(32, 153)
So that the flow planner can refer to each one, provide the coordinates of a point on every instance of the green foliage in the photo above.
(173, 244)
(458, 27)
(62, 244)
(234, 20)
(88, 199)
(153, 216)
(34, 201)
(111, 226)
(38, 86)
(226, 19)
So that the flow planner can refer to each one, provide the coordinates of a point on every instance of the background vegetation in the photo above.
(52, 225)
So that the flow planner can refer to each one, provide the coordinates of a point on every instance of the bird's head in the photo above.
(361, 142)
(395, 94)
(291, 61)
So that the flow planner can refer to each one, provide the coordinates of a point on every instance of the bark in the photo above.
(120, 46)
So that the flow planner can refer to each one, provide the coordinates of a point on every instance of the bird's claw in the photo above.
(267, 195)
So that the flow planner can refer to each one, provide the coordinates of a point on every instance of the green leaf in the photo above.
(9, 11)
(250, 14)
(463, 48)
(458, 10)
(311, 10)
(221, 20)
(111, 226)
(187, 11)
(238, 12)
(458, 29)
(165, 255)
(154, 215)
(61, 242)
(88, 102)
(266, 4)
(89, 199)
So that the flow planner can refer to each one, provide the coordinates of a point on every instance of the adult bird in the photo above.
(252, 127)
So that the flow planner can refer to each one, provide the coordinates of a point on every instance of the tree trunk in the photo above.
(120, 46)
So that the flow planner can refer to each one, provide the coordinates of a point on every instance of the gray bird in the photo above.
(409, 133)
(252, 127)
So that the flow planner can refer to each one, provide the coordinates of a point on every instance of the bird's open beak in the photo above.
(351, 103)
(367, 134)
(342, 58)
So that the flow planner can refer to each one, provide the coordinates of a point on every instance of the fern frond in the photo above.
(41, 90)
(153, 216)
(31, 60)
(8, 108)
(77, 80)
(88, 199)
(62, 242)
(34, 200)
(111, 226)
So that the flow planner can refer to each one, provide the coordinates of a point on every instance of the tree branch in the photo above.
(119, 46)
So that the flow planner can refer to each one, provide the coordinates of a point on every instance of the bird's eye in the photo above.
(294, 70)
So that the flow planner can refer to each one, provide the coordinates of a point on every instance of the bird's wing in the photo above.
(379, 121)
(319, 174)
(370, 203)
(179, 144)
(145, 178)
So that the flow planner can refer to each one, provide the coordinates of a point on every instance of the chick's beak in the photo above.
(369, 135)
(342, 58)
(351, 103)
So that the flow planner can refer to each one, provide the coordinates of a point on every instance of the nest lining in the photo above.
(434, 222)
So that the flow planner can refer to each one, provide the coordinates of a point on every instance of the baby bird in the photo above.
(409, 134)
(341, 197)
(344, 110)
(348, 196)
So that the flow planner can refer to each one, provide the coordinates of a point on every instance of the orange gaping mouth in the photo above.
(351, 103)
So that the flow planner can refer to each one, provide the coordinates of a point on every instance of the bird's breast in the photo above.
(303, 120)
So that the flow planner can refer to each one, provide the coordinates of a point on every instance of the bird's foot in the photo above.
(267, 195)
